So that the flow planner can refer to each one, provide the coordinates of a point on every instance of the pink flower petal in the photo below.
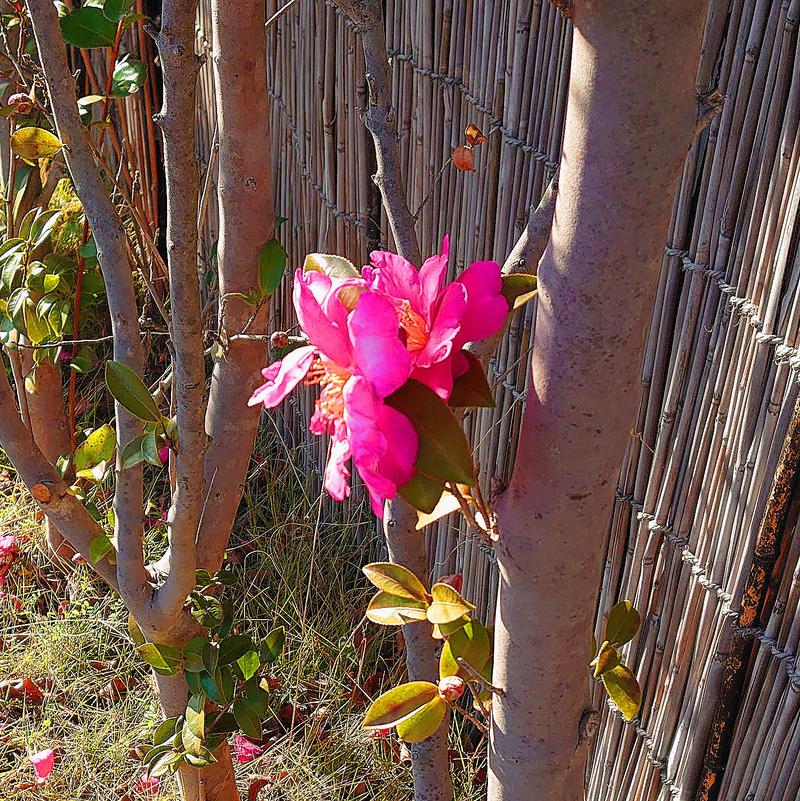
(378, 353)
(43, 764)
(146, 786)
(439, 377)
(431, 277)
(395, 276)
(320, 325)
(283, 376)
(446, 326)
(486, 306)
(245, 749)
(336, 473)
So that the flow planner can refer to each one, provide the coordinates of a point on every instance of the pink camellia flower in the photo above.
(245, 750)
(43, 764)
(146, 786)
(357, 359)
(438, 319)
(9, 548)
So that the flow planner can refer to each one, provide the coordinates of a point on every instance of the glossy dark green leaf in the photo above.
(422, 492)
(130, 392)
(443, 449)
(115, 10)
(272, 645)
(247, 717)
(472, 388)
(88, 27)
(231, 648)
(271, 264)
(164, 659)
(129, 75)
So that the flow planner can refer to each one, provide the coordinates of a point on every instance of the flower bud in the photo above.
(455, 580)
(21, 102)
(451, 688)
(279, 339)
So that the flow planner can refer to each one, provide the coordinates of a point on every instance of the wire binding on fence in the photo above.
(744, 307)
(649, 745)
(305, 171)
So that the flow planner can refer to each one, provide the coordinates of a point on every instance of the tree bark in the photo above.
(629, 120)
(247, 222)
(50, 429)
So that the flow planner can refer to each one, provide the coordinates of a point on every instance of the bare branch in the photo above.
(109, 235)
(524, 258)
(180, 65)
(48, 488)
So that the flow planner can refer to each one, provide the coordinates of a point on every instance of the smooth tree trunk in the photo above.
(50, 429)
(630, 116)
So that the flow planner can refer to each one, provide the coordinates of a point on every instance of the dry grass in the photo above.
(297, 568)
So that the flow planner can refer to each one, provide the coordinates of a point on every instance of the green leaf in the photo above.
(606, 660)
(191, 742)
(135, 631)
(164, 659)
(88, 27)
(192, 655)
(518, 289)
(247, 717)
(399, 703)
(164, 731)
(34, 143)
(424, 723)
(623, 623)
(471, 643)
(396, 580)
(206, 609)
(272, 645)
(115, 10)
(231, 648)
(386, 609)
(443, 449)
(97, 447)
(42, 226)
(129, 75)
(271, 264)
(202, 759)
(210, 685)
(448, 605)
(101, 547)
(249, 664)
(472, 388)
(196, 715)
(130, 392)
(624, 690)
(422, 492)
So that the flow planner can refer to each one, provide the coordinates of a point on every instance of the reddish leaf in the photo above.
(463, 159)
(474, 135)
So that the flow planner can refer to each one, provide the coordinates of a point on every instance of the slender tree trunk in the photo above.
(50, 429)
(247, 222)
(630, 117)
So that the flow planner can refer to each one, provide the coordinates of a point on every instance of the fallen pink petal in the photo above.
(245, 750)
(43, 763)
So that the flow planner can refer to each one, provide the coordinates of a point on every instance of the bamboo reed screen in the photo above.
(718, 378)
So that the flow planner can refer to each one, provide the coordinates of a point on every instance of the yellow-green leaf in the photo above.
(623, 623)
(423, 723)
(399, 703)
(34, 143)
(394, 610)
(396, 580)
(448, 604)
(624, 690)
(607, 659)
(97, 447)
(471, 643)
(164, 659)
(333, 266)
(518, 289)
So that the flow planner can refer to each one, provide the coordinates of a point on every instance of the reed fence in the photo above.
(718, 380)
